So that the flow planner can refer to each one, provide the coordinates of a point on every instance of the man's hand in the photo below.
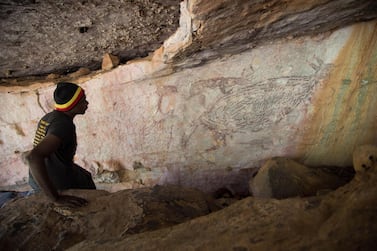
(71, 201)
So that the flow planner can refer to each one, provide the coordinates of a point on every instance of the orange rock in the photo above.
(52, 76)
(109, 61)
(282, 178)
(80, 72)
(364, 158)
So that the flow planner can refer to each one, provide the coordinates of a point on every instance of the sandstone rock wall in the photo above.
(310, 98)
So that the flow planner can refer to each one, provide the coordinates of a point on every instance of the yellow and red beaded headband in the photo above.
(72, 102)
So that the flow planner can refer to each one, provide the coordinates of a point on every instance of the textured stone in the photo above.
(49, 36)
(109, 61)
(283, 178)
(34, 223)
(64, 38)
(185, 219)
(344, 219)
(221, 27)
(52, 76)
(80, 72)
(365, 158)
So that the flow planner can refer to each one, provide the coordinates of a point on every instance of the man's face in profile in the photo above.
(81, 106)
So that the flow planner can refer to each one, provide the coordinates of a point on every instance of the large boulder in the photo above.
(365, 158)
(35, 223)
(282, 178)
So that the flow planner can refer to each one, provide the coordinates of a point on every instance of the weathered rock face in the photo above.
(311, 98)
(41, 37)
(227, 26)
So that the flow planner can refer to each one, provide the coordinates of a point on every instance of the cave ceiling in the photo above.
(42, 37)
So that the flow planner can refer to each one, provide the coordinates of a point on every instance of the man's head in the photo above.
(70, 98)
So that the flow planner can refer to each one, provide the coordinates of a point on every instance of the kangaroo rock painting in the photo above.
(245, 106)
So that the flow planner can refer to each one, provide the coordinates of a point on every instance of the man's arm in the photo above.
(38, 169)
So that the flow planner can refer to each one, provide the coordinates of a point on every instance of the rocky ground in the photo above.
(176, 218)
(38, 224)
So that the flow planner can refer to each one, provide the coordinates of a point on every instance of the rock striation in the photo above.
(229, 27)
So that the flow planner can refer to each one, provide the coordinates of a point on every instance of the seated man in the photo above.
(51, 160)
